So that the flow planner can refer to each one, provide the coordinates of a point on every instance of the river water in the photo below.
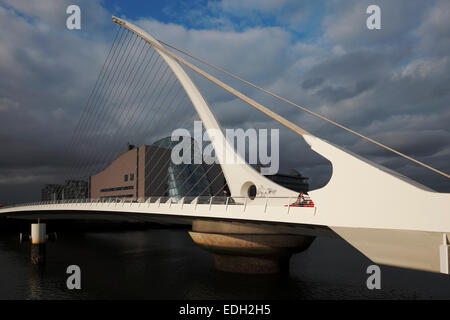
(165, 264)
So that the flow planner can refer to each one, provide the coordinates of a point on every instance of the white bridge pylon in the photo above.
(390, 218)
(239, 175)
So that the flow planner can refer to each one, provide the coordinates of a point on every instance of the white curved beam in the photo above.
(239, 175)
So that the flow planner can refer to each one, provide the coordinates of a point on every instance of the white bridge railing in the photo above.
(175, 203)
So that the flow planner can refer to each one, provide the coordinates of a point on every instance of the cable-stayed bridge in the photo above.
(143, 91)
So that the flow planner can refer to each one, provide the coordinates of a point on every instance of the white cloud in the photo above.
(425, 68)
(255, 52)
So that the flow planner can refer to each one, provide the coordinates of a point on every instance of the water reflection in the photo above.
(165, 264)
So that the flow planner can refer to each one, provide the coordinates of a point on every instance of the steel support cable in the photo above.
(176, 120)
(206, 175)
(133, 102)
(152, 92)
(104, 108)
(176, 177)
(151, 95)
(161, 90)
(144, 112)
(171, 103)
(109, 82)
(308, 111)
(150, 133)
(96, 89)
(163, 125)
(100, 155)
(221, 189)
(118, 133)
(199, 180)
(184, 182)
(182, 171)
(169, 160)
(164, 153)
(154, 105)
(180, 114)
(99, 83)
(104, 84)
(168, 115)
(210, 184)
(192, 173)
(191, 117)
(132, 114)
(135, 122)
(151, 158)
(105, 126)
(148, 161)
(161, 103)
(125, 61)
(221, 173)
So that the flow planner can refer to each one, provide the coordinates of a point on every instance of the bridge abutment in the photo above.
(249, 248)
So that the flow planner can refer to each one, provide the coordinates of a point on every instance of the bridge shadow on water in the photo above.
(164, 263)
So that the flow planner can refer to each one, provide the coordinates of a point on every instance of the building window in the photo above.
(117, 189)
(131, 176)
(120, 196)
(125, 178)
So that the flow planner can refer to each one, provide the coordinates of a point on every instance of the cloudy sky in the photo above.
(390, 84)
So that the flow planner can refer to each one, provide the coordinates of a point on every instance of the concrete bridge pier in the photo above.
(38, 241)
(249, 248)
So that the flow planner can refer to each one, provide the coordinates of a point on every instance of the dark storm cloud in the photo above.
(46, 72)
(311, 83)
(336, 94)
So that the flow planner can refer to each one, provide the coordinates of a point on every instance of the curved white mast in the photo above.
(239, 175)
